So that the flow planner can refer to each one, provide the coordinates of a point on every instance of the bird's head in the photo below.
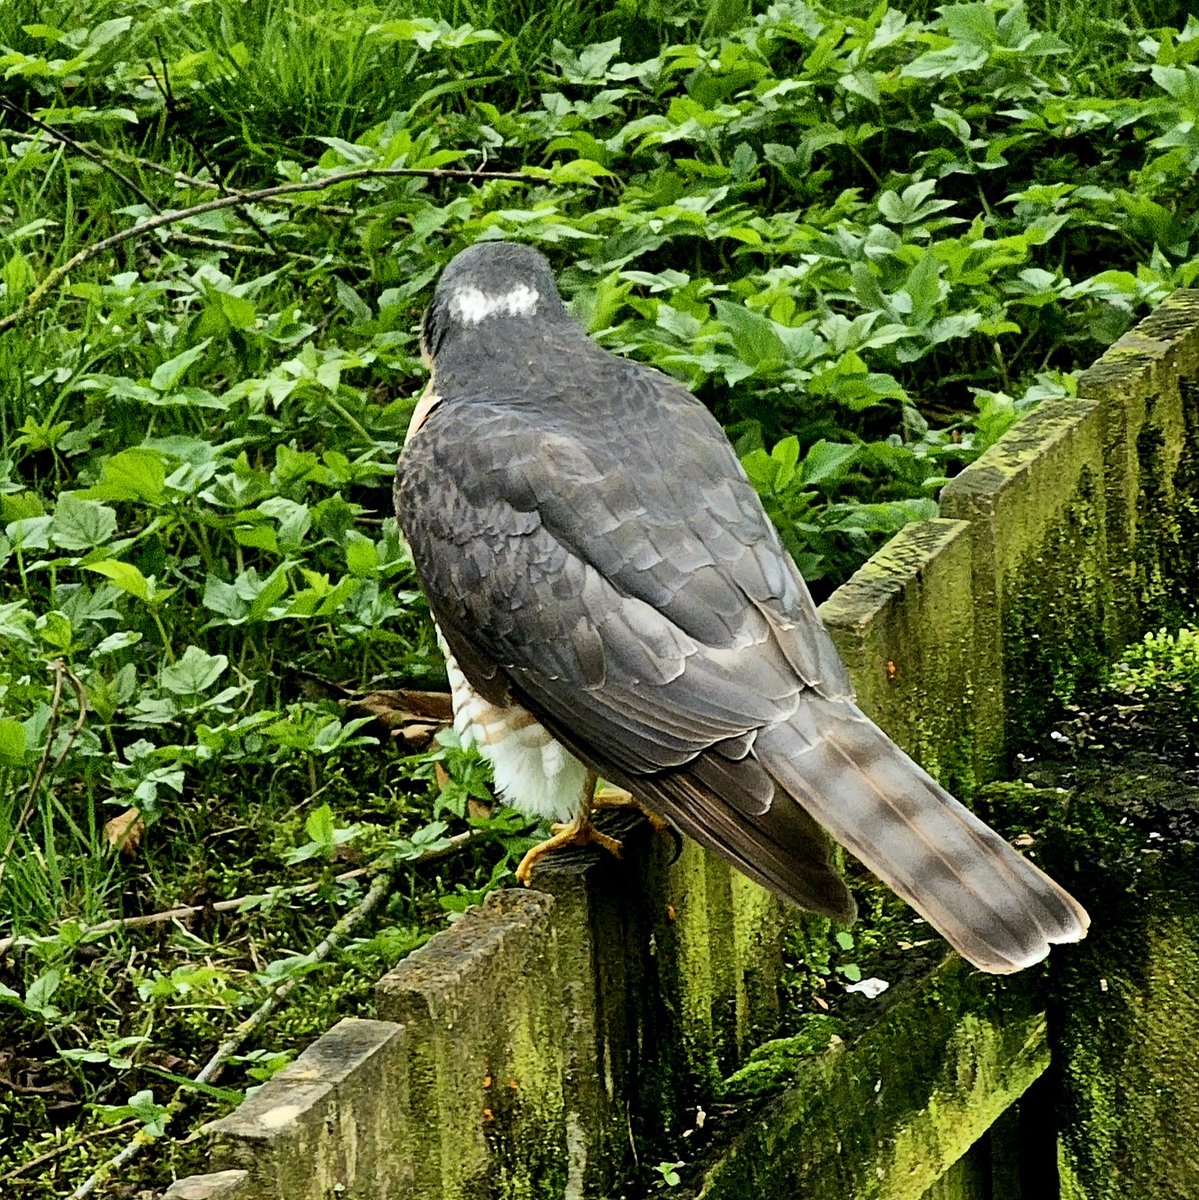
(499, 290)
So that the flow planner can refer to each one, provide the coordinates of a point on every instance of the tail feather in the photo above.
(989, 902)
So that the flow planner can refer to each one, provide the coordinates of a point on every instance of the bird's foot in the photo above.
(619, 798)
(580, 832)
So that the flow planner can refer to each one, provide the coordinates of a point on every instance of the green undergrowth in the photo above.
(869, 238)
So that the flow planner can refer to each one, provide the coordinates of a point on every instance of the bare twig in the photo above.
(193, 181)
(168, 98)
(56, 276)
(67, 140)
(40, 1160)
(212, 1068)
(458, 842)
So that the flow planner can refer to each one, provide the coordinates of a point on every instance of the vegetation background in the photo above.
(869, 236)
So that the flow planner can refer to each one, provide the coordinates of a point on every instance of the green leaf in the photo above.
(133, 474)
(12, 741)
(18, 277)
(362, 556)
(753, 335)
(194, 672)
(81, 524)
(827, 462)
(168, 374)
(321, 825)
(41, 991)
(124, 575)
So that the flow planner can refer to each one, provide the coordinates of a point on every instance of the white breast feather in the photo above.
(533, 771)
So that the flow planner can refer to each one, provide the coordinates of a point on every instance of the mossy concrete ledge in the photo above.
(1043, 606)
(904, 623)
(482, 1008)
(222, 1185)
(319, 1125)
(1147, 386)
(885, 1116)
(1125, 1003)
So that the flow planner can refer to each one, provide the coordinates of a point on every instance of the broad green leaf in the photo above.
(12, 740)
(827, 462)
(167, 375)
(321, 825)
(124, 575)
(133, 474)
(194, 672)
(81, 524)
(18, 276)
(362, 557)
(753, 335)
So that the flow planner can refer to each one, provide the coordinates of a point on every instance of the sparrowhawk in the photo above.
(613, 601)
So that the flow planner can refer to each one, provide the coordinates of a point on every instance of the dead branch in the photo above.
(212, 1068)
(160, 220)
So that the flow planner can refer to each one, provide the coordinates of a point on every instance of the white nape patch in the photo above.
(471, 306)
(533, 771)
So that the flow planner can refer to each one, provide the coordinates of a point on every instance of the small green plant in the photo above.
(668, 1173)
(1162, 666)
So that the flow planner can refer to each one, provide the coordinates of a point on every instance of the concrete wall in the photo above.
(549, 1037)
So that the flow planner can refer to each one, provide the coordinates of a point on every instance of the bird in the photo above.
(614, 604)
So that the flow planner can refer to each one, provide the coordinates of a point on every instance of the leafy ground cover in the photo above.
(869, 238)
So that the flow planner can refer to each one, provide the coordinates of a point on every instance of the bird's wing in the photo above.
(625, 579)
(624, 584)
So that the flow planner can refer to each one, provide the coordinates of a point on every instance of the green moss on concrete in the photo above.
(1125, 1010)
(483, 1010)
(1042, 598)
(1056, 608)
(1166, 545)
(775, 1063)
(968, 1179)
(1145, 387)
(885, 1116)
(905, 626)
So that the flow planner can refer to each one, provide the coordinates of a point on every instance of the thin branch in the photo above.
(452, 846)
(67, 140)
(207, 243)
(193, 181)
(40, 1160)
(168, 98)
(270, 250)
(56, 276)
(213, 1067)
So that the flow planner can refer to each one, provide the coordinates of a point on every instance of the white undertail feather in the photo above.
(533, 771)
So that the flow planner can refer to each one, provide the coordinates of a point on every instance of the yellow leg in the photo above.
(579, 832)
(610, 797)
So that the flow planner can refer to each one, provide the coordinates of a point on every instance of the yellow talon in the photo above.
(582, 832)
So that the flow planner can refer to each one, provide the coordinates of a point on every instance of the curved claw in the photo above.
(580, 832)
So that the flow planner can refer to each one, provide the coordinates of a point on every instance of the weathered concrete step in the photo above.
(886, 1116)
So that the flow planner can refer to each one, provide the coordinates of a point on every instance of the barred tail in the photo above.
(989, 902)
